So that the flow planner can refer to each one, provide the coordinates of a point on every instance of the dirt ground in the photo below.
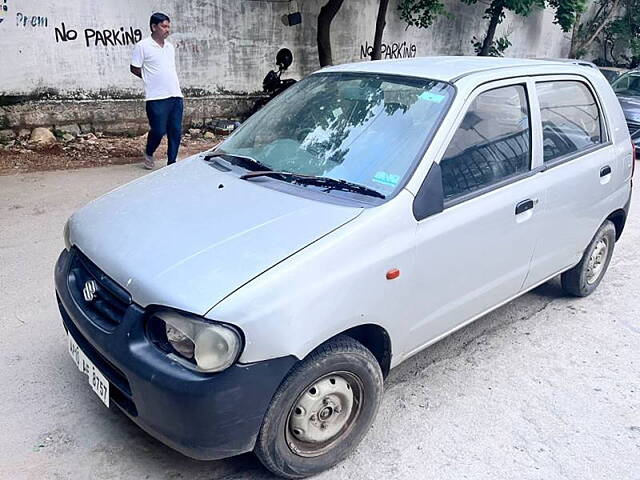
(90, 151)
(547, 387)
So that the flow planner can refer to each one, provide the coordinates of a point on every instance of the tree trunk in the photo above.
(324, 31)
(573, 51)
(376, 54)
(495, 10)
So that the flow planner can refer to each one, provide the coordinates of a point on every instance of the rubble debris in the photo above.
(42, 136)
(86, 150)
(7, 136)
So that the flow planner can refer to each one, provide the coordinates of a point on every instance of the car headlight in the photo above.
(196, 342)
(65, 234)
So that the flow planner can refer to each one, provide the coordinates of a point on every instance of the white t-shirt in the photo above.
(158, 69)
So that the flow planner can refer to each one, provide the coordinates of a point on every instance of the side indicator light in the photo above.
(393, 273)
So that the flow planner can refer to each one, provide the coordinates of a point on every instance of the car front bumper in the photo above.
(204, 416)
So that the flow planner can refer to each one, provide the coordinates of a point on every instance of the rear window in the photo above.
(571, 119)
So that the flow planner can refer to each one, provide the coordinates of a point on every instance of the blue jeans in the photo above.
(165, 118)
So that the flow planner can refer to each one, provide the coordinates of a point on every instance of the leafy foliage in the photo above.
(587, 30)
(497, 7)
(622, 33)
(421, 13)
(567, 12)
(496, 48)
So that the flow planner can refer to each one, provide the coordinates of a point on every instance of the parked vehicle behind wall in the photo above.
(627, 89)
(273, 84)
(612, 73)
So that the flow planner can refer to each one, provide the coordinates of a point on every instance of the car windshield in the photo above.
(628, 84)
(361, 128)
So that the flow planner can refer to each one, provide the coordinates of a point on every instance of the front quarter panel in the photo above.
(336, 283)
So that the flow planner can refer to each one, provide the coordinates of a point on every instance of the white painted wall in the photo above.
(222, 45)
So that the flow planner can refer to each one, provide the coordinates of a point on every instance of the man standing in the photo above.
(153, 60)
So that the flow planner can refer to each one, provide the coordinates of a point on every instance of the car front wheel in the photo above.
(322, 410)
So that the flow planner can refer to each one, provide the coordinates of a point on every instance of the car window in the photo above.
(628, 84)
(611, 74)
(491, 144)
(570, 118)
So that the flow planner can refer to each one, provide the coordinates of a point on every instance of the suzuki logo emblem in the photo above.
(89, 290)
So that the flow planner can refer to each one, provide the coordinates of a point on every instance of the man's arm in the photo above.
(137, 60)
(137, 71)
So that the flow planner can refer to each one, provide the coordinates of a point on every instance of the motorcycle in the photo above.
(273, 84)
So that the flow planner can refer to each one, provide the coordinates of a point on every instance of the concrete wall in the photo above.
(81, 49)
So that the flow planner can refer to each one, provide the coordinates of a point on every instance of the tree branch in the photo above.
(604, 22)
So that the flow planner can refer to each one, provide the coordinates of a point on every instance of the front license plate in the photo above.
(97, 380)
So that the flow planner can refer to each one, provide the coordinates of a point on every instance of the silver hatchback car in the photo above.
(255, 296)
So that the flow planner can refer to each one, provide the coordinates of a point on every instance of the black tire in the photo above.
(580, 280)
(357, 370)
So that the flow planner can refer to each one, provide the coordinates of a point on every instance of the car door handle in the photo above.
(524, 205)
(604, 171)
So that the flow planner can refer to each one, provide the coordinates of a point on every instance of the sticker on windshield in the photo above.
(386, 178)
(432, 97)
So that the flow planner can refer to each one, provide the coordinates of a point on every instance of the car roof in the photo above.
(618, 69)
(575, 61)
(449, 68)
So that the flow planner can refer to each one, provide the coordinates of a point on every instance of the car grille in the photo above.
(108, 301)
(120, 390)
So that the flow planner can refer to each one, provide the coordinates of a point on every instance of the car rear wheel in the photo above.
(585, 277)
(322, 410)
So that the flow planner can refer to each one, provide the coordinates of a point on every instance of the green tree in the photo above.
(497, 48)
(565, 15)
(587, 29)
(420, 13)
(622, 36)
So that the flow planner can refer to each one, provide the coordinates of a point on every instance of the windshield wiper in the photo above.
(240, 160)
(326, 182)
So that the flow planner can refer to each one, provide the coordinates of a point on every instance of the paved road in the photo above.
(546, 387)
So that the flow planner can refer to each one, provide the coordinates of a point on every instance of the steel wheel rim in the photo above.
(597, 259)
(333, 400)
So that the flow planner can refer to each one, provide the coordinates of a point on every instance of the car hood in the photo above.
(187, 236)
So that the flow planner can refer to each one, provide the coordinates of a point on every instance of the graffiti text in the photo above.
(390, 50)
(25, 21)
(100, 37)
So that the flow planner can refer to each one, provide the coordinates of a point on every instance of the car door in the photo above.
(579, 163)
(475, 254)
